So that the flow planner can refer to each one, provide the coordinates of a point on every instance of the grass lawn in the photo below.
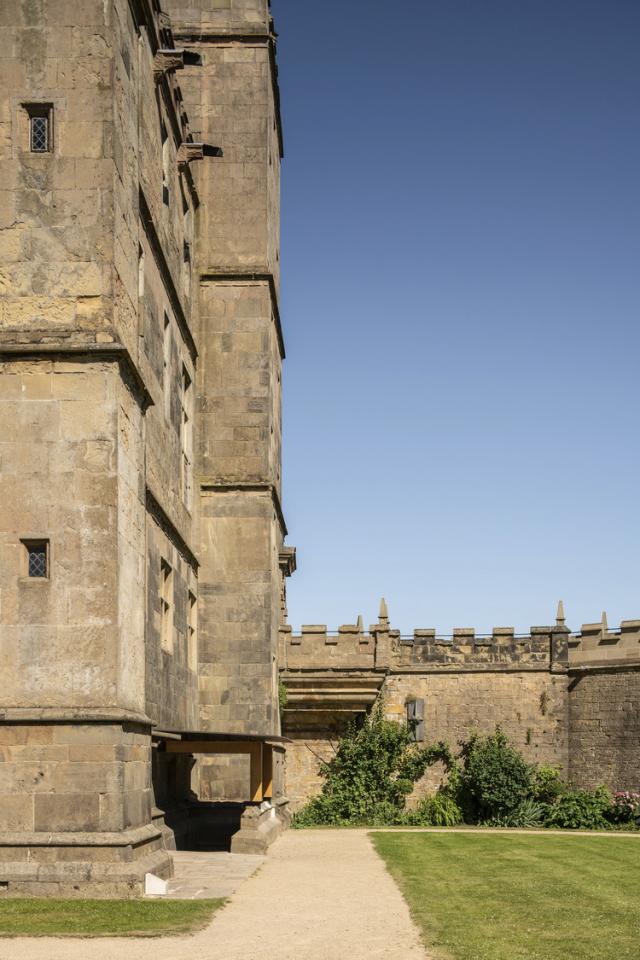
(103, 918)
(516, 897)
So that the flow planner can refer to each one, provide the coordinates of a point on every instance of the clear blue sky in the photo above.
(461, 280)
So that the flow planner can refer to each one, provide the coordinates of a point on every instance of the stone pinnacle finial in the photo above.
(383, 616)
(605, 625)
(560, 614)
(360, 623)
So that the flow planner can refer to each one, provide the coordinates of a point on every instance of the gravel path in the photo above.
(320, 895)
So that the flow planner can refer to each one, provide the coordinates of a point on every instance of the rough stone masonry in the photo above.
(569, 700)
(141, 531)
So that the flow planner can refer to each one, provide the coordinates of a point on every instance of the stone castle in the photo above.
(143, 565)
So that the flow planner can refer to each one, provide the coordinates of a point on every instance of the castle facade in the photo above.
(144, 648)
(141, 529)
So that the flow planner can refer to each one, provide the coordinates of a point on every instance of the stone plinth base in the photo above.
(81, 864)
(260, 825)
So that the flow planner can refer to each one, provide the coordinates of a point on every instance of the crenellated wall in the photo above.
(604, 705)
(568, 700)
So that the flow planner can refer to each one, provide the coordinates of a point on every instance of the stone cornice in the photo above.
(88, 352)
(133, 837)
(74, 715)
(604, 666)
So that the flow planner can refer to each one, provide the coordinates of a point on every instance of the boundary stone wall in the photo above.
(567, 700)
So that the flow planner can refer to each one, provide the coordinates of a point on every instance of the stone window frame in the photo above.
(414, 707)
(166, 363)
(166, 606)
(165, 148)
(37, 110)
(186, 436)
(27, 545)
(192, 632)
(141, 272)
(20, 125)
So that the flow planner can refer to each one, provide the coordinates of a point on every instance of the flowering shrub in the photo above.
(625, 807)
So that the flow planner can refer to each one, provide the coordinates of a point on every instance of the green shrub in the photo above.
(374, 768)
(547, 785)
(376, 765)
(282, 695)
(494, 779)
(437, 810)
(580, 810)
(528, 813)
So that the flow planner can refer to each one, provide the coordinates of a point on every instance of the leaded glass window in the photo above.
(39, 134)
(37, 558)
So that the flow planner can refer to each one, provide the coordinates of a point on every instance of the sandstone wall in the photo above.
(95, 234)
(59, 481)
(81, 777)
(56, 208)
(237, 689)
(530, 706)
(75, 809)
(232, 103)
(220, 16)
(171, 672)
(604, 725)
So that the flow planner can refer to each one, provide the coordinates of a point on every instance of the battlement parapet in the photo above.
(316, 648)
(554, 647)
(351, 648)
(598, 645)
(465, 648)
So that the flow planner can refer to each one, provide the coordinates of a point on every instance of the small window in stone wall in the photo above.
(36, 559)
(415, 719)
(166, 606)
(141, 277)
(192, 632)
(165, 165)
(166, 365)
(40, 118)
(186, 438)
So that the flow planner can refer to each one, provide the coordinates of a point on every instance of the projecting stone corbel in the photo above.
(189, 151)
(168, 59)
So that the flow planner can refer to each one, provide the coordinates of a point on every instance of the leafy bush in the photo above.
(580, 810)
(377, 763)
(438, 810)
(494, 779)
(374, 768)
(529, 813)
(282, 695)
(625, 807)
(547, 785)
